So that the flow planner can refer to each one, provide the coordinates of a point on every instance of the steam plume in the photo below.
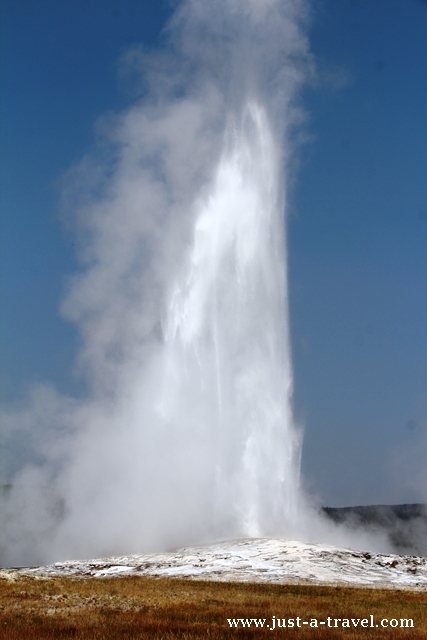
(186, 433)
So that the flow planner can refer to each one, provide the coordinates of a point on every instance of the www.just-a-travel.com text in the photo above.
(349, 623)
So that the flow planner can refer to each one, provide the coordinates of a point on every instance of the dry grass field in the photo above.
(134, 607)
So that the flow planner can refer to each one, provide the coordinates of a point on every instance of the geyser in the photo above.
(226, 345)
(186, 434)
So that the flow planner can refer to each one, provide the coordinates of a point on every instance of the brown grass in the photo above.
(134, 607)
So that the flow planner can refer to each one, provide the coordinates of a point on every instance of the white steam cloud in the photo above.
(186, 433)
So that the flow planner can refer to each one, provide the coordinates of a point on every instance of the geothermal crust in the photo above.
(254, 560)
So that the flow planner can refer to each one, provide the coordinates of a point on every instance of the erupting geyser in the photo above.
(186, 434)
(227, 362)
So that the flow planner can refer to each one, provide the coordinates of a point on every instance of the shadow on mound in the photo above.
(404, 524)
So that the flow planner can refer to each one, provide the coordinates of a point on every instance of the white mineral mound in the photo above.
(255, 560)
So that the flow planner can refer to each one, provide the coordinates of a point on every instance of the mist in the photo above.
(186, 432)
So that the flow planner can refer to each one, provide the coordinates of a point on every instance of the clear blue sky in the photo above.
(357, 227)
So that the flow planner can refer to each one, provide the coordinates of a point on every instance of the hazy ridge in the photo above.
(404, 524)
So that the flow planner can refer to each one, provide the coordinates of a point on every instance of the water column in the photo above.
(227, 337)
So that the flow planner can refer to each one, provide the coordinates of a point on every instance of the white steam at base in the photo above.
(186, 434)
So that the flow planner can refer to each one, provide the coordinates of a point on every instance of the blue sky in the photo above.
(357, 222)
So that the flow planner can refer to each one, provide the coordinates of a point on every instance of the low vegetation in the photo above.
(133, 607)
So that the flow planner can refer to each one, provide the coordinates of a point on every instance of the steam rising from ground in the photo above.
(186, 434)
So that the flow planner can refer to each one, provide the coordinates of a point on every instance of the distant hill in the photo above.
(405, 524)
